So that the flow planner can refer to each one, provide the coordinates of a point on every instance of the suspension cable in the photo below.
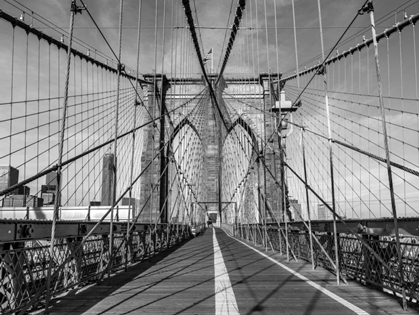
(235, 27)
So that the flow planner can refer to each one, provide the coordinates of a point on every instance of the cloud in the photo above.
(213, 18)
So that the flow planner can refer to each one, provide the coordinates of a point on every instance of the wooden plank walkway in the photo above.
(183, 281)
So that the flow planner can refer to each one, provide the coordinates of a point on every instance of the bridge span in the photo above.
(215, 273)
(192, 156)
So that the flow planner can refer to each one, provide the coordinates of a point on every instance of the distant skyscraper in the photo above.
(20, 197)
(323, 212)
(48, 190)
(24, 190)
(9, 176)
(48, 197)
(51, 179)
(297, 207)
(108, 191)
(22, 201)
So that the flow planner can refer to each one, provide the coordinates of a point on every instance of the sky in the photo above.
(252, 53)
(336, 14)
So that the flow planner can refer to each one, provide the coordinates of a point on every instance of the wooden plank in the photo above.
(268, 287)
(178, 282)
(181, 281)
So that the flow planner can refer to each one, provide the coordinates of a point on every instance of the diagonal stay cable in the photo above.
(101, 220)
(349, 146)
(355, 234)
(71, 160)
(120, 66)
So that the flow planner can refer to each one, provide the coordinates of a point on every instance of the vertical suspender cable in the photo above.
(388, 75)
(11, 95)
(296, 50)
(255, 96)
(252, 40)
(402, 119)
(277, 41)
(360, 138)
(415, 59)
(352, 136)
(175, 91)
(82, 125)
(283, 203)
(88, 123)
(265, 124)
(136, 103)
(182, 91)
(114, 177)
(26, 106)
(303, 143)
(60, 157)
(99, 91)
(259, 153)
(163, 172)
(391, 185)
(171, 104)
(38, 109)
(173, 18)
(95, 91)
(49, 102)
(307, 199)
(257, 27)
(368, 120)
(153, 115)
(330, 145)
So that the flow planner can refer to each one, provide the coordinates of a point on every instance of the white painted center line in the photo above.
(225, 298)
(335, 297)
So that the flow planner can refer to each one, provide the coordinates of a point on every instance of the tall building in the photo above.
(324, 213)
(24, 190)
(297, 209)
(51, 179)
(22, 201)
(48, 190)
(9, 176)
(20, 197)
(108, 185)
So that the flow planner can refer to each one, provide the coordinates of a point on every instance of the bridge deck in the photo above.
(183, 281)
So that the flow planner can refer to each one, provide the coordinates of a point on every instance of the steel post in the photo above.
(327, 108)
(283, 187)
(73, 11)
(259, 188)
(307, 199)
(388, 161)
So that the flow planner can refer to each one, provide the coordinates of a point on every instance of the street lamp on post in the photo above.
(283, 131)
(283, 107)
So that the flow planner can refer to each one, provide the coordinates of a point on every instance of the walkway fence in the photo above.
(76, 261)
(356, 261)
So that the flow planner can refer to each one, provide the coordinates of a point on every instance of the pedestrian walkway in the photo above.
(191, 279)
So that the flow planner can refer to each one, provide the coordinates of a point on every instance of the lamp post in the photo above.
(283, 107)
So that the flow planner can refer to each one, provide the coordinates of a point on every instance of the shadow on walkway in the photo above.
(91, 295)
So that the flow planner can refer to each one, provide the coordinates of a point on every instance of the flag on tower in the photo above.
(209, 56)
